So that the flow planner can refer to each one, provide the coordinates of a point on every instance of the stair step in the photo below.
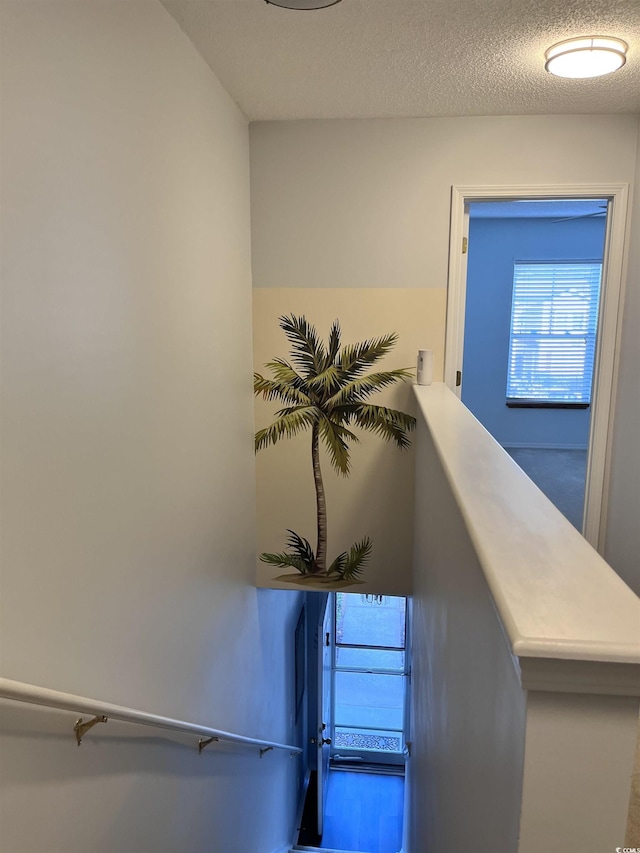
(298, 849)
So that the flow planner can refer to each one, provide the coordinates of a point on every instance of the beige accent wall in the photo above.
(377, 498)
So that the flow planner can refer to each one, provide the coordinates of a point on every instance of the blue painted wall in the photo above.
(494, 245)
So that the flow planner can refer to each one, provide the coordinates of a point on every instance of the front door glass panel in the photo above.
(370, 676)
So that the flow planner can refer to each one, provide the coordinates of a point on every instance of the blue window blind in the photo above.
(554, 317)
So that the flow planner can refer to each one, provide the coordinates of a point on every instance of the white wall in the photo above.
(622, 546)
(128, 473)
(525, 688)
(468, 709)
(579, 756)
(366, 204)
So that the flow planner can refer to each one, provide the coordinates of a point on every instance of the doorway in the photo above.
(532, 298)
(596, 424)
(370, 679)
(361, 655)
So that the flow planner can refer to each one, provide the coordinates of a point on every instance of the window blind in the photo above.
(554, 318)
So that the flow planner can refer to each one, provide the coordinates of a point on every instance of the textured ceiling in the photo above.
(387, 58)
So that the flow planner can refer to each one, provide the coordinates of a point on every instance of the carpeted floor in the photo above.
(560, 474)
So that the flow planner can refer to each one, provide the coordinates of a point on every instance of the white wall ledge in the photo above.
(558, 600)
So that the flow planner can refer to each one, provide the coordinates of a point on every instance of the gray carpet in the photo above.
(560, 474)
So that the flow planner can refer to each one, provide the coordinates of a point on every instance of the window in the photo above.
(370, 674)
(554, 317)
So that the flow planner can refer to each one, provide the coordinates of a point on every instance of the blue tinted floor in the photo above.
(363, 812)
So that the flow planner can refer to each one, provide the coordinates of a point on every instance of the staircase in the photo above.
(299, 849)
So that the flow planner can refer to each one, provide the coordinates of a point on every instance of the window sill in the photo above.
(543, 404)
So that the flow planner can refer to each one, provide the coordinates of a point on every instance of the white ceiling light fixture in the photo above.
(302, 4)
(588, 56)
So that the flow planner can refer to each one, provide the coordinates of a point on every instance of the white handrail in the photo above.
(30, 693)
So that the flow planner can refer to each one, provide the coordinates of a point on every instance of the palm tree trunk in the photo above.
(321, 506)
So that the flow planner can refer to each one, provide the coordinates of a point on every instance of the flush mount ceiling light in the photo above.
(302, 4)
(589, 56)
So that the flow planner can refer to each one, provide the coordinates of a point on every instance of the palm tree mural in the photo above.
(325, 388)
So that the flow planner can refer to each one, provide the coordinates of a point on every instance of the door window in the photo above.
(370, 674)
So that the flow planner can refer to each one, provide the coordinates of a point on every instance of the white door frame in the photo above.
(605, 364)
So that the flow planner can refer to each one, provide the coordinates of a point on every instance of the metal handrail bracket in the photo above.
(81, 728)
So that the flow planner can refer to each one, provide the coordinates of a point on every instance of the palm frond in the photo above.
(326, 382)
(283, 560)
(308, 351)
(335, 437)
(361, 388)
(355, 561)
(390, 424)
(289, 423)
(337, 567)
(302, 558)
(334, 343)
(290, 410)
(356, 358)
(284, 372)
(301, 548)
(274, 389)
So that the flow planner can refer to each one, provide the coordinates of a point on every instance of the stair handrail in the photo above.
(19, 691)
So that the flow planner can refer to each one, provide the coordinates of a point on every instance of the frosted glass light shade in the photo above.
(302, 4)
(590, 56)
